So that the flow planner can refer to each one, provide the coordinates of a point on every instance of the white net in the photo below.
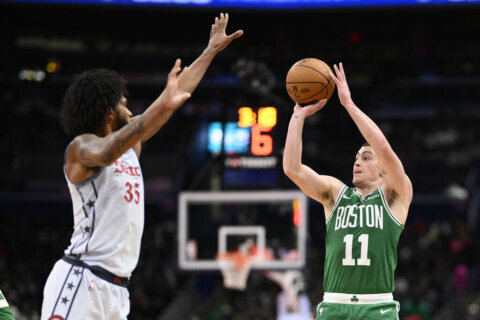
(235, 269)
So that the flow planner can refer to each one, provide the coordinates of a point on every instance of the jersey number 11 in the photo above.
(363, 260)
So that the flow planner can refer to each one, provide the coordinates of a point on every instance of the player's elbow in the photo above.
(290, 171)
(286, 171)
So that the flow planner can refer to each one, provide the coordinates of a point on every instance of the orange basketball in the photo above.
(309, 81)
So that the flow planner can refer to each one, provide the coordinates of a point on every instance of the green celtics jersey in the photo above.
(361, 244)
(5, 312)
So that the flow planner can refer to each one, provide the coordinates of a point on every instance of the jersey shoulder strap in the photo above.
(337, 201)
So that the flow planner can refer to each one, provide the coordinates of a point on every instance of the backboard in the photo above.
(272, 224)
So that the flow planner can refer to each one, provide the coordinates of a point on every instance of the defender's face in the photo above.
(366, 168)
(123, 114)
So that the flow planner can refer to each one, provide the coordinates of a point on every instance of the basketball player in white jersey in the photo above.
(106, 184)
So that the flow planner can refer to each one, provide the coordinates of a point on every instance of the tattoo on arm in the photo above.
(83, 153)
(132, 129)
(93, 150)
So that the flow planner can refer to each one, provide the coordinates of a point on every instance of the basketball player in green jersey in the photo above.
(5, 312)
(363, 222)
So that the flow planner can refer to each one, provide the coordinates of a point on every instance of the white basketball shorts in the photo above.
(75, 293)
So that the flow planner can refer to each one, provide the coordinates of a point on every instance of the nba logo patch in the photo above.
(320, 312)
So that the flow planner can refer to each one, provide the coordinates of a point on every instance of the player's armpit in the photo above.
(398, 205)
(138, 148)
(397, 185)
(80, 163)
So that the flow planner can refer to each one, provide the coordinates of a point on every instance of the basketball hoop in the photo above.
(235, 267)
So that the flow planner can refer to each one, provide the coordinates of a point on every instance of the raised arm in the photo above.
(322, 188)
(91, 151)
(396, 181)
(219, 40)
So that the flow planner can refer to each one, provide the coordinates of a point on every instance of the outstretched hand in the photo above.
(173, 96)
(342, 85)
(310, 109)
(219, 40)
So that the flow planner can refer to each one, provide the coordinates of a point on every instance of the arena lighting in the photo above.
(355, 37)
(39, 76)
(31, 75)
(53, 66)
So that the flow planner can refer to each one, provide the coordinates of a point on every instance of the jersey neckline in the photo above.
(360, 195)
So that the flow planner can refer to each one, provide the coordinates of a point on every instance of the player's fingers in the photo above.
(182, 72)
(223, 21)
(337, 72)
(176, 68)
(184, 97)
(217, 25)
(318, 105)
(341, 69)
(310, 109)
(236, 34)
(333, 77)
(178, 61)
(321, 103)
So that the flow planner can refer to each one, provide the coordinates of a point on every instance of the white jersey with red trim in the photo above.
(108, 212)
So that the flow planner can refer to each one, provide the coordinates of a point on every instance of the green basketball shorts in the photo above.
(340, 306)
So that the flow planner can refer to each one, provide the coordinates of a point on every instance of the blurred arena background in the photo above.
(415, 69)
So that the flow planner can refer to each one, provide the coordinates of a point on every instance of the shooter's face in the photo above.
(366, 169)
